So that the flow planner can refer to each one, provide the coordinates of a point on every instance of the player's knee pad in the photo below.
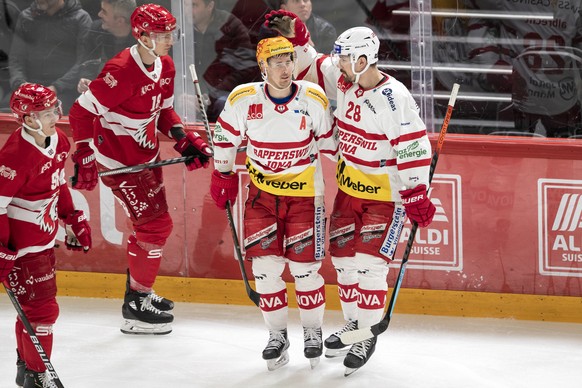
(142, 195)
(267, 271)
(346, 270)
(306, 275)
(156, 231)
(342, 236)
(371, 269)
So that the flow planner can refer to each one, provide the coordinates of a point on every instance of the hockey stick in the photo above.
(351, 337)
(201, 104)
(194, 76)
(35, 341)
(253, 295)
(144, 166)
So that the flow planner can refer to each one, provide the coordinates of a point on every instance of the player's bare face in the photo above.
(280, 71)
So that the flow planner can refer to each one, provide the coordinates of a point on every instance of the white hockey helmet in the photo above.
(357, 42)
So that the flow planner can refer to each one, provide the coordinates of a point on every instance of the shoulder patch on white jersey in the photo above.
(317, 96)
(240, 93)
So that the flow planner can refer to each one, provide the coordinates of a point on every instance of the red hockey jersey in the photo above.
(124, 108)
(31, 179)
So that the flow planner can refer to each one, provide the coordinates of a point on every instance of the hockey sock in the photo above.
(144, 262)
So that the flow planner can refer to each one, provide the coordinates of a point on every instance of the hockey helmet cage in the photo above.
(270, 47)
(357, 42)
(30, 98)
(150, 18)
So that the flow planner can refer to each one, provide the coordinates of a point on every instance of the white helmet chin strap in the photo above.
(358, 74)
(38, 130)
(149, 50)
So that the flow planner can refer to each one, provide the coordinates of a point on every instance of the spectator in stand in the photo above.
(323, 34)
(46, 46)
(223, 54)
(108, 36)
(9, 12)
(252, 15)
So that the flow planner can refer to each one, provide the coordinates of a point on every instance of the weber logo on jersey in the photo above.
(560, 227)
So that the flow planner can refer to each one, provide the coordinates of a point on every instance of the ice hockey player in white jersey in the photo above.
(382, 171)
(288, 125)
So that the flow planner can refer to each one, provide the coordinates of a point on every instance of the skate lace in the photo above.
(312, 337)
(349, 326)
(360, 349)
(146, 305)
(276, 339)
(156, 298)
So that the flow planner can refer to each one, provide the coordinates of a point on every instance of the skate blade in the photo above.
(333, 353)
(349, 371)
(278, 362)
(133, 326)
(314, 362)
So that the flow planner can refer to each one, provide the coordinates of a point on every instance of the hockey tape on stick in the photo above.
(351, 337)
(50, 370)
(253, 295)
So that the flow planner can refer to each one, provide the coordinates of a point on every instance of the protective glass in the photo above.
(338, 60)
(166, 37)
(46, 115)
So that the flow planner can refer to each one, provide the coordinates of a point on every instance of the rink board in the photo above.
(508, 223)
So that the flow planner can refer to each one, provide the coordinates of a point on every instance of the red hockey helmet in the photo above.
(30, 98)
(150, 18)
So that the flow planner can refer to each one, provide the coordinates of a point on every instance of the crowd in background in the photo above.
(524, 75)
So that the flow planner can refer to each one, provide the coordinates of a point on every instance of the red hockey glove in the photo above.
(78, 234)
(289, 25)
(418, 206)
(7, 258)
(193, 145)
(85, 177)
(223, 188)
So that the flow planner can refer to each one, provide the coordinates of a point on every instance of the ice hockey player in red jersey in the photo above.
(382, 171)
(33, 197)
(288, 125)
(115, 124)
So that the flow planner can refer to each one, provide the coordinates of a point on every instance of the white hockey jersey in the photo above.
(382, 140)
(283, 140)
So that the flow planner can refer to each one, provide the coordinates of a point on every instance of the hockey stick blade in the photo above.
(253, 295)
(351, 337)
(50, 370)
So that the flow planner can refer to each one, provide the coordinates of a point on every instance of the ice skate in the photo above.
(313, 345)
(334, 347)
(276, 351)
(37, 380)
(359, 354)
(159, 302)
(20, 370)
(142, 317)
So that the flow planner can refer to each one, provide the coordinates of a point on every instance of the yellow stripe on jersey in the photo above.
(366, 186)
(290, 185)
(317, 96)
(248, 91)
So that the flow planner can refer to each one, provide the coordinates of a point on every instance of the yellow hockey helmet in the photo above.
(270, 47)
